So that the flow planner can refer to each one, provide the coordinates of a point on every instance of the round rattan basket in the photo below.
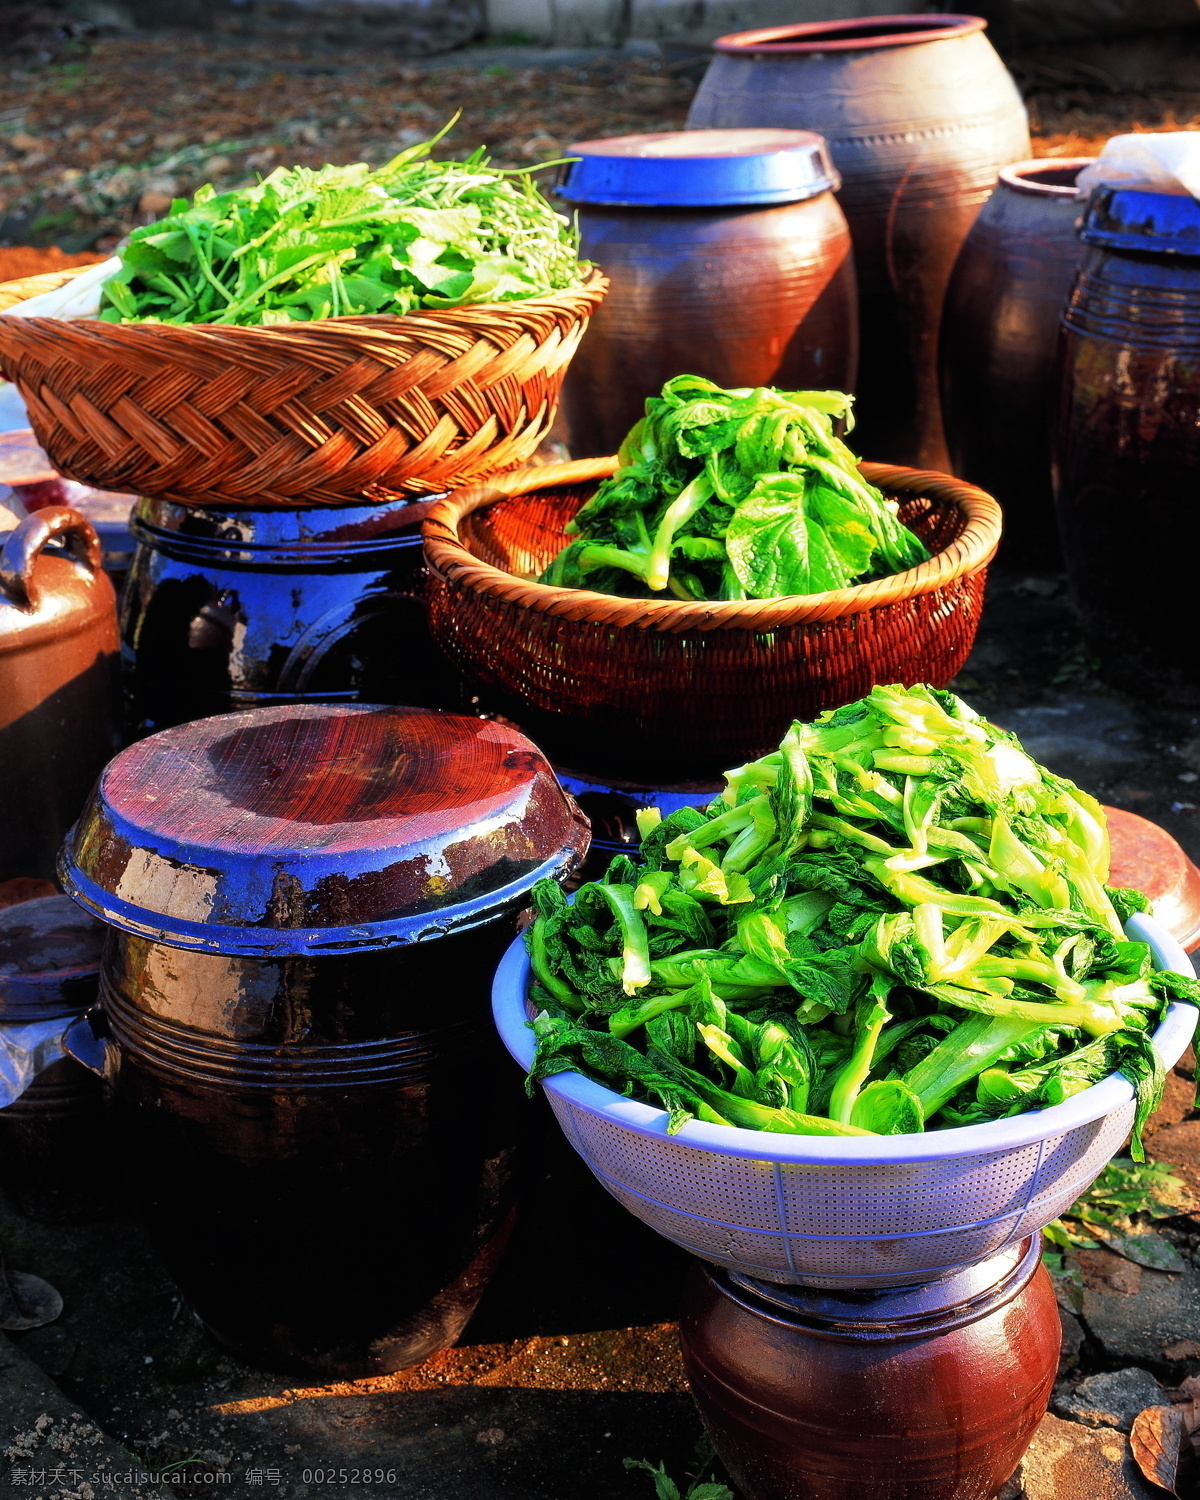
(660, 691)
(318, 413)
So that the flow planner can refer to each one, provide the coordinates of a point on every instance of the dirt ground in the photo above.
(99, 138)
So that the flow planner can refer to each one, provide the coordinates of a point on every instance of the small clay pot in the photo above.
(914, 1393)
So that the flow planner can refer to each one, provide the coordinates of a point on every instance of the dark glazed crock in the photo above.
(1000, 330)
(229, 609)
(309, 903)
(746, 293)
(920, 1393)
(57, 1162)
(1126, 441)
(919, 114)
(59, 691)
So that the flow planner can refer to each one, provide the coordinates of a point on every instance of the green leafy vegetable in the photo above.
(895, 922)
(744, 494)
(303, 244)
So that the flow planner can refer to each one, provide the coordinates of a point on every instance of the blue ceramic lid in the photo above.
(701, 169)
(1154, 223)
(319, 829)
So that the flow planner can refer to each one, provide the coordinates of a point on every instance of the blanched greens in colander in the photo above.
(897, 921)
(745, 494)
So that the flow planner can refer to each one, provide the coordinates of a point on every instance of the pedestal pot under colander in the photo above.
(307, 905)
(231, 609)
(922, 1393)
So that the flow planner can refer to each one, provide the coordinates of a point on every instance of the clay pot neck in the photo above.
(888, 1313)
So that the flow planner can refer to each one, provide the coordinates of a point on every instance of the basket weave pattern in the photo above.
(319, 413)
(657, 688)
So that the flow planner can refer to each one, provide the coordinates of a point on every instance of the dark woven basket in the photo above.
(320, 413)
(662, 691)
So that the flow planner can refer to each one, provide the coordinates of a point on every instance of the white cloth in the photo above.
(77, 298)
(1166, 162)
(27, 1050)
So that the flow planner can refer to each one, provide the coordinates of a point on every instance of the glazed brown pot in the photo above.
(919, 114)
(1126, 442)
(1000, 329)
(919, 1393)
(59, 688)
(308, 905)
(746, 296)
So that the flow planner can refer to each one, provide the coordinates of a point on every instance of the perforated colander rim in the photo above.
(511, 985)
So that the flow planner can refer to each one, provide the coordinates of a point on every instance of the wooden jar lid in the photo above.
(320, 830)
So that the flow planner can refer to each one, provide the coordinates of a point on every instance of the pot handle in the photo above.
(24, 545)
(87, 1042)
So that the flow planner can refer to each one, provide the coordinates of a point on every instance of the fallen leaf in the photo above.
(1150, 1250)
(1161, 1445)
(1182, 1349)
(26, 1301)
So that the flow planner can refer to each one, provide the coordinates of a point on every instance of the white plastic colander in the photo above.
(844, 1211)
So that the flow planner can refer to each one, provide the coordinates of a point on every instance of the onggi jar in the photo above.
(727, 256)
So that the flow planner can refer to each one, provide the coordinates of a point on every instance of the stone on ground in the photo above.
(1149, 1314)
(1112, 1399)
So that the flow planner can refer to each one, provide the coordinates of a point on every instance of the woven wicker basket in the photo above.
(316, 413)
(661, 691)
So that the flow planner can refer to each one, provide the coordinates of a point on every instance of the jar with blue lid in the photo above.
(1126, 439)
(727, 256)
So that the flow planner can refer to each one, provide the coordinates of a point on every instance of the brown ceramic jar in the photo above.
(1000, 330)
(59, 685)
(727, 256)
(308, 904)
(916, 1393)
(919, 114)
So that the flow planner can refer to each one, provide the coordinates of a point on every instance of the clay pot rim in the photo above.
(847, 36)
(1016, 176)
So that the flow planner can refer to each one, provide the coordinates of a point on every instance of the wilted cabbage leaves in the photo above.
(743, 494)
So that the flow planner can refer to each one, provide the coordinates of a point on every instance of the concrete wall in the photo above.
(605, 22)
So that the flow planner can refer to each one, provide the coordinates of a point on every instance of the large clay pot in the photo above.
(1126, 441)
(916, 1393)
(1000, 330)
(308, 904)
(59, 704)
(726, 256)
(919, 114)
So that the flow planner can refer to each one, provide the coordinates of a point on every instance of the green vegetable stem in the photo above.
(845, 943)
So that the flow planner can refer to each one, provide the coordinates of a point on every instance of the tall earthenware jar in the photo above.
(1127, 443)
(726, 255)
(1000, 330)
(919, 114)
(307, 904)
